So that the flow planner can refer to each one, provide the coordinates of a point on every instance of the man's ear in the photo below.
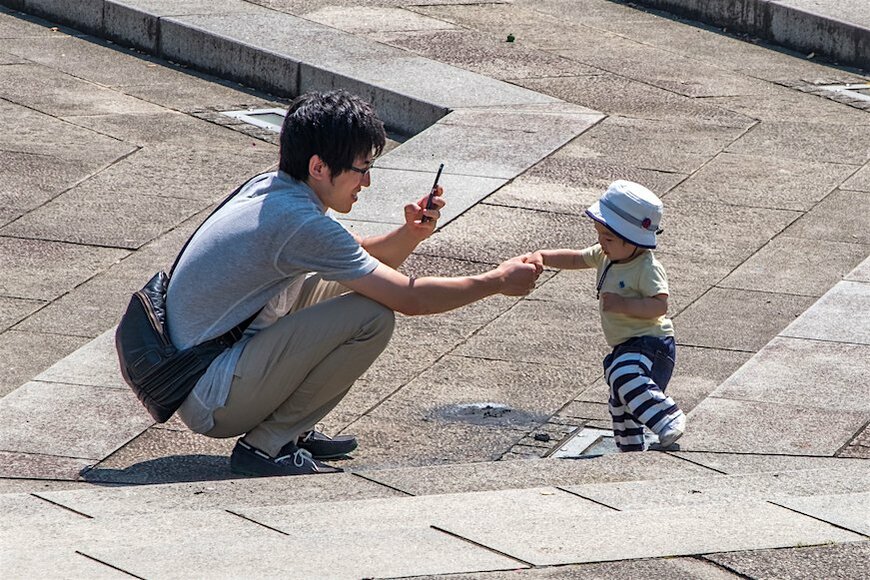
(318, 170)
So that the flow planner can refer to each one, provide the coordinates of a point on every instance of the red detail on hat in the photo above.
(646, 223)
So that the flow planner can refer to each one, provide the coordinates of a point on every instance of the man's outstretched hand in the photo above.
(518, 275)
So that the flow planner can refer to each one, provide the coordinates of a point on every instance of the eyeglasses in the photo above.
(362, 171)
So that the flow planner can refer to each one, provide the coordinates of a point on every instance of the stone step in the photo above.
(621, 482)
(408, 536)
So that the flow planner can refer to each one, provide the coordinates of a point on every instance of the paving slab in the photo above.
(231, 494)
(571, 184)
(860, 181)
(174, 129)
(616, 95)
(34, 466)
(833, 369)
(837, 562)
(791, 265)
(531, 27)
(574, 335)
(782, 104)
(476, 142)
(779, 487)
(92, 59)
(861, 273)
(807, 141)
(660, 68)
(13, 310)
(492, 392)
(753, 318)
(408, 441)
(25, 354)
(478, 53)
(91, 216)
(421, 512)
(98, 303)
(689, 277)
(24, 510)
(226, 542)
(684, 146)
(724, 425)
(59, 94)
(378, 202)
(32, 262)
(15, 24)
(94, 364)
(749, 463)
(505, 232)
(534, 473)
(649, 569)
(748, 56)
(368, 19)
(837, 218)
(786, 183)
(850, 510)
(718, 232)
(568, 538)
(26, 485)
(845, 301)
(69, 420)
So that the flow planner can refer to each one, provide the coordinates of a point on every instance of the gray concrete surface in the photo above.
(763, 173)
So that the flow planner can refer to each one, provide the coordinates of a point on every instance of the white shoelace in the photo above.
(300, 456)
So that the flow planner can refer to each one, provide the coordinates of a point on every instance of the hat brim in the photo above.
(621, 227)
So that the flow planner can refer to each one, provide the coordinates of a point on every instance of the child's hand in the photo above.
(611, 302)
(536, 259)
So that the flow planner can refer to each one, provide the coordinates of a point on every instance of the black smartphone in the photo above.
(429, 200)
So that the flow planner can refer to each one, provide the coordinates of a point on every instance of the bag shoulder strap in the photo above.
(223, 203)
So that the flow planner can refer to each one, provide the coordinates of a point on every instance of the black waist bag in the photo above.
(160, 374)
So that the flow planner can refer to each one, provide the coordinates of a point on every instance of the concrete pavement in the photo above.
(764, 177)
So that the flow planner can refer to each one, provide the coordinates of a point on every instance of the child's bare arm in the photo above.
(563, 259)
(651, 307)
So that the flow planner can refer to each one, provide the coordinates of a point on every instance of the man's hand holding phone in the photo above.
(423, 215)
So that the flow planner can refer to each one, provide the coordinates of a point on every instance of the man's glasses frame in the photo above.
(362, 172)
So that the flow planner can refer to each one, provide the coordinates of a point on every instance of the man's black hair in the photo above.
(337, 126)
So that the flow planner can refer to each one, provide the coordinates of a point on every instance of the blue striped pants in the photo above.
(638, 371)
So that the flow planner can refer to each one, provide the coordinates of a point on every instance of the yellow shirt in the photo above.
(642, 277)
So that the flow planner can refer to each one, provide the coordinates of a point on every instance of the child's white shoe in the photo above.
(673, 431)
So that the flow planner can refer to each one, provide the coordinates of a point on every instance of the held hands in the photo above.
(518, 275)
(414, 213)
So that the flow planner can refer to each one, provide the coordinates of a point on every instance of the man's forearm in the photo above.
(393, 248)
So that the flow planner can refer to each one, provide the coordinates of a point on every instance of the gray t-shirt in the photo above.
(252, 255)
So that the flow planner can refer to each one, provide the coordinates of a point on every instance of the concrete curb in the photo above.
(795, 28)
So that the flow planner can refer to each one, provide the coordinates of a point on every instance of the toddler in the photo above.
(632, 293)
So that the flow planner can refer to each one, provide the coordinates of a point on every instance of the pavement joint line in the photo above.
(60, 505)
(89, 557)
(247, 519)
(818, 518)
(365, 477)
(484, 546)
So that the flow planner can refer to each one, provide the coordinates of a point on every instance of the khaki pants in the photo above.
(291, 374)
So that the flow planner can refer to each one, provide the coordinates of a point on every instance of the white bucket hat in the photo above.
(631, 211)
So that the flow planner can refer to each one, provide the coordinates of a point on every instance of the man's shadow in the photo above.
(169, 469)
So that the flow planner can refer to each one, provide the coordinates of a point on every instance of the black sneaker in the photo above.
(247, 460)
(321, 446)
